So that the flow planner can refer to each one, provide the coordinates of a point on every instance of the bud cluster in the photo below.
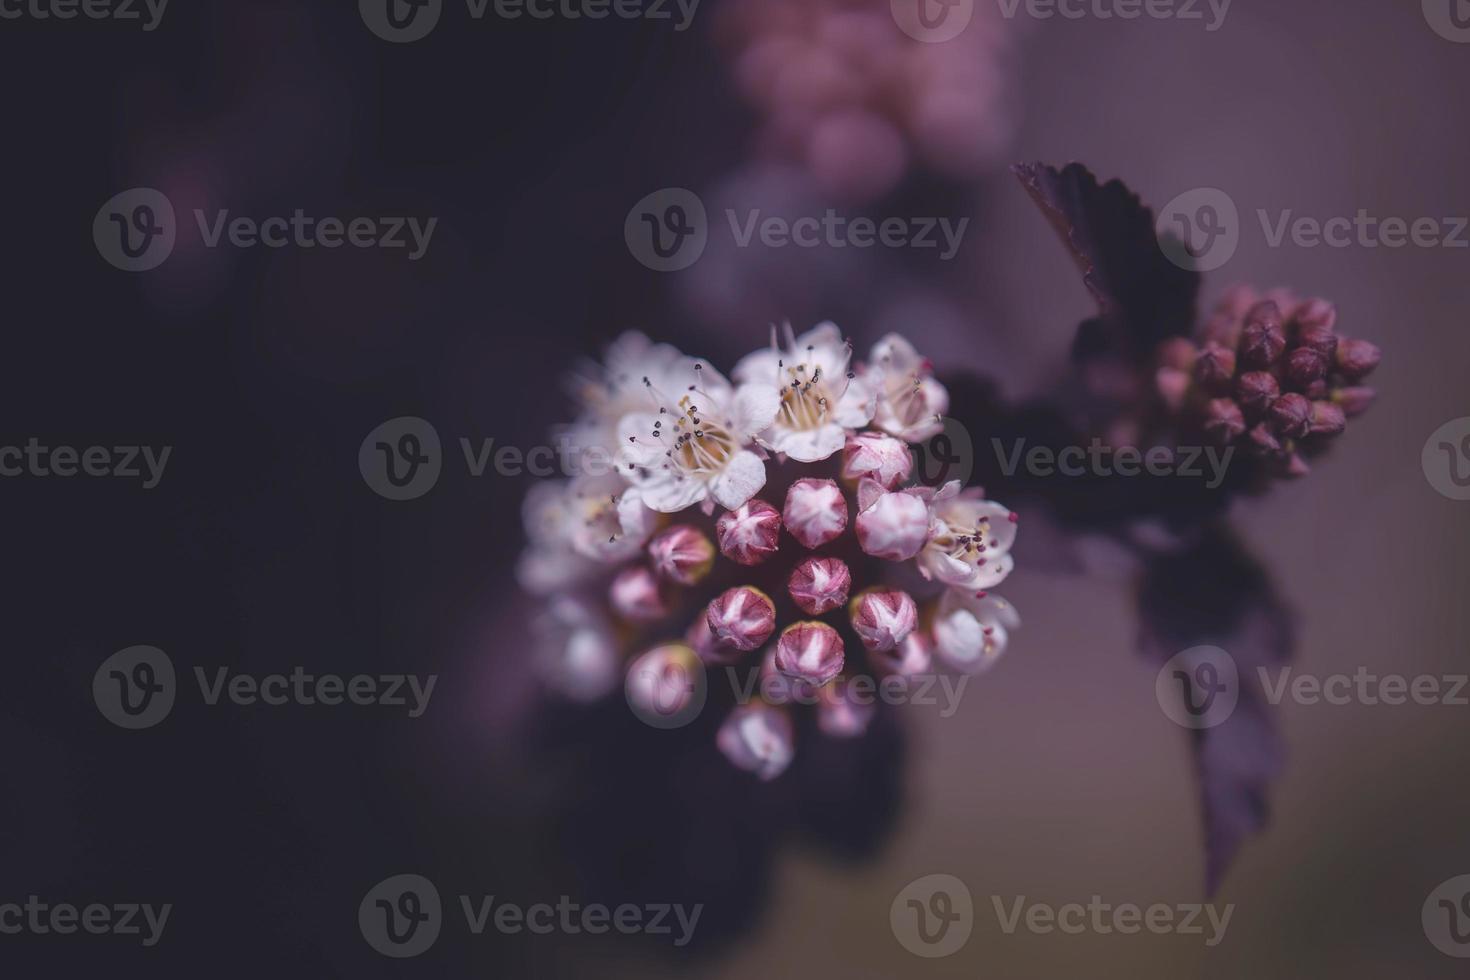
(1269, 374)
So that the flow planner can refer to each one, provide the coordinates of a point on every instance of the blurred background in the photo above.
(530, 140)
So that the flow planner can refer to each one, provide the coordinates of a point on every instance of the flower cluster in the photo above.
(1270, 374)
(844, 92)
(806, 453)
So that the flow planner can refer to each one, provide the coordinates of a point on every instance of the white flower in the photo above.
(691, 448)
(575, 526)
(606, 392)
(820, 397)
(970, 631)
(910, 402)
(969, 542)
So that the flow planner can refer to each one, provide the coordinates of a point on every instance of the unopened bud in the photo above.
(1214, 368)
(742, 617)
(815, 512)
(1354, 401)
(706, 647)
(894, 526)
(1357, 358)
(750, 533)
(877, 457)
(914, 655)
(1173, 386)
(1291, 416)
(1296, 466)
(635, 595)
(882, 618)
(810, 651)
(1262, 340)
(1256, 390)
(843, 712)
(757, 738)
(1178, 353)
(682, 554)
(1224, 422)
(1263, 442)
(1305, 366)
(1327, 419)
(1318, 318)
(665, 687)
(819, 584)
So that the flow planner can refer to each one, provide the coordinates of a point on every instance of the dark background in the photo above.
(263, 549)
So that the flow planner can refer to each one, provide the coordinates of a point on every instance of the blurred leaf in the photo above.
(1216, 594)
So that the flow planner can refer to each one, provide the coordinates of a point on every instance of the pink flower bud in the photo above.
(1356, 358)
(1263, 442)
(1327, 419)
(843, 712)
(1355, 401)
(682, 554)
(1291, 416)
(1296, 466)
(816, 511)
(635, 595)
(1256, 390)
(914, 655)
(1304, 366)
(706, 647)
(750, 533)
(1262, 340)
(883, 617)
(1319, 339)
(1178, 353)
(878, 457)
(1224, 422)
(742, 617)
(1173, 386)
(757, 738)
(1214, 368)
(809, 651)
(665, 686)
(777, 688)
(819, 584)
(894, 526)
(1317, 317)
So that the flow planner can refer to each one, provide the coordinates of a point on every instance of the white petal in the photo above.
(760, 367)
(806, 445)
(636, 442)
(669, 494)
(753, 408)
(855, 408)
(741, 479)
